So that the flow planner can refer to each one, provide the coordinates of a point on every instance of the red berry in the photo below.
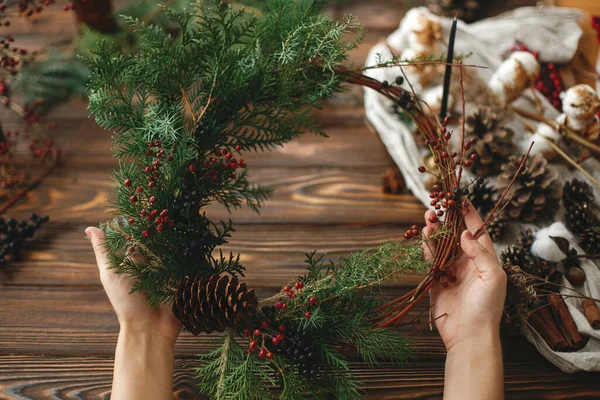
(143, 213)
(269, 355)
(422, 169)
(433, 219)
(238, 148)
(146, 234)
(279, 305)
(192, 168)
(152, 200)
(284, 306)
(253, 344)
(160, 227)
(127, 182)
(308, 314)
(286, 288)
(257, 332)
(299, 285)
(281, 328)
(312, 300)
(262, 353)
(131, 221)
(153, 213)
(133, 199)
(264, 324)
(225, 151)
(164, 213)
(151, 184)
(139, 189)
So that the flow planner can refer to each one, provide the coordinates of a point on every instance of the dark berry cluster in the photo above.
(13, 233)
(298, 347)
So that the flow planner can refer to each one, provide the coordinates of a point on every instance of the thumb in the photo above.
(97, 238)
(485, 261)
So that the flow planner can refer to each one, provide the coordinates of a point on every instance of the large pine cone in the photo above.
(493, 144)
(213, 303)
(466, 10)
(589, 240)
(536, 191)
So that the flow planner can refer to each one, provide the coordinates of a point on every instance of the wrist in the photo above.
(145, 338)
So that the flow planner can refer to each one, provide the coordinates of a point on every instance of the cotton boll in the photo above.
(540, 138)
(580, 105)
(545, 247)
(424, 33)
(513, 76)
(433, 98)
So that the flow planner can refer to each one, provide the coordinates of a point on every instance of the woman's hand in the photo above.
(132, 309)
(473, 309)
(144, 358)
(473, 304)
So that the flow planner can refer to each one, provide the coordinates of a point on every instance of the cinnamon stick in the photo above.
(565, 321)
(592, 313)
(543, 322)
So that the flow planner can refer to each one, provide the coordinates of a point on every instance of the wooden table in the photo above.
(57, 328)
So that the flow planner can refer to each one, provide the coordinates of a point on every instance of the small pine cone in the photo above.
(577, 192)
(466, 10)
(516, 256)
(579, 217)
(589, 240)
(520, 297)
(493, 144)
(498, 227)
(483, 198)
(213, 303)
(536, 191)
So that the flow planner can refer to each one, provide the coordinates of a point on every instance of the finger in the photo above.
(430, 216)
(473, 222)
(427, 246)
(97, 238)
(485, 261)
(429, 230)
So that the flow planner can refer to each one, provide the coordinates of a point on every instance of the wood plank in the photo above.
(90, 378)
(80, 321)
(60, 254)
(301, 195)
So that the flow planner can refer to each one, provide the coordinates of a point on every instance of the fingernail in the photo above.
(88, 233)
(469, 235)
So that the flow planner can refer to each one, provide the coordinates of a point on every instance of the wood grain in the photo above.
(61, 255)
(90, 378)
(301, 195)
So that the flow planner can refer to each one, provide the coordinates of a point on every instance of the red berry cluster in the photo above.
(222, 165)
(442, 201)
(159, 220)
(42, 149)
(412, 232)
(549, 82)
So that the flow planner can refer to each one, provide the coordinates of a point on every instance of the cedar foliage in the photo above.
(233, 78)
